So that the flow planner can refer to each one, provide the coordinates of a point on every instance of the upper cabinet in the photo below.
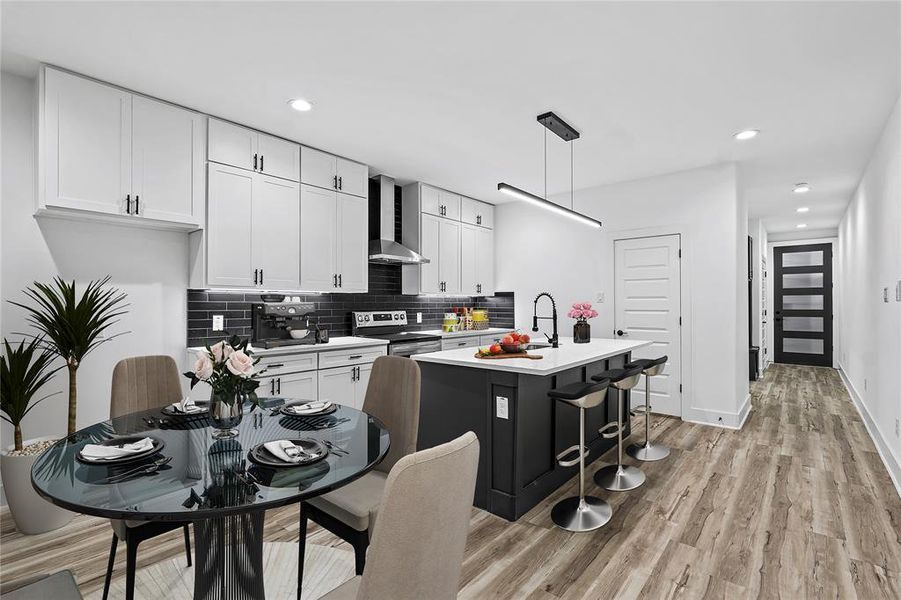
(334, 241)
(108, 153)
(477, 213)
(244, 148)
(324, 170)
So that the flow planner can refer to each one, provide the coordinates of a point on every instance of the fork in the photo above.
(157, 464)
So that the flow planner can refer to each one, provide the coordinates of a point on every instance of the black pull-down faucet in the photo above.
(554, 340)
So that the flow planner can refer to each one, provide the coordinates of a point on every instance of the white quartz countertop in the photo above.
(567, 356)
(335, 343)
(470, 332)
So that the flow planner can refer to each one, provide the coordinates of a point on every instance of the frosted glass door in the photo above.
(803, 304)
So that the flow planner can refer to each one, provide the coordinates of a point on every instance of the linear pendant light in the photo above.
(567, 133)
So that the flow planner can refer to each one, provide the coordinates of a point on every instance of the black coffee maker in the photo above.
(285, 323)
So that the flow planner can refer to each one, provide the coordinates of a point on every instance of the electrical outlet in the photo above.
(419, 317)
(218, 322)
(865, 384)
(885, 294)
(897, 427)
(503, 410)
(898, 291)
(600, 297)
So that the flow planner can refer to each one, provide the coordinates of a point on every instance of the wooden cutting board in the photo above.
(510, 355)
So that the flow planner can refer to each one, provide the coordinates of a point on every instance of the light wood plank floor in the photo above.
(795, 505)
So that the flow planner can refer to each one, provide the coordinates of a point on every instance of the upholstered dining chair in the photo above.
(420, 535)
(350, 511)
(141, 383)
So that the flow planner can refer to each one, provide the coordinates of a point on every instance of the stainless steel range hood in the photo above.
(385, 250)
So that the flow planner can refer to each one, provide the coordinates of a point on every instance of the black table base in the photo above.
(229, 559)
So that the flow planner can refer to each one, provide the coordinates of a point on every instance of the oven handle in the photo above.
(414, 348)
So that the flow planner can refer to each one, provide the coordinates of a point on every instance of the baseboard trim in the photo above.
(882, 447)
(716, 418)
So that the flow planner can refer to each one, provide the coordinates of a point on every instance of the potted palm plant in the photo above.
(24, 369)
(71, 326)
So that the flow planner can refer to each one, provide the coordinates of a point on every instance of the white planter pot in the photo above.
(29, 510)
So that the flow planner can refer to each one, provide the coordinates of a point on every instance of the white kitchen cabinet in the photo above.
(438, 202)
(484, 262)
(334, 250)
(453, 343)
(339, 386)
(229, 227)
(361, 385)
(167, 163)
(478, 213)
(429, 199)
(245, 148)
(328, 171)
(450, 204)
(295, 386)
(276, 232)
(449, 256)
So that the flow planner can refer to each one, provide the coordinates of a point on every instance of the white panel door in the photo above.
(318, 228)
(353, 243)
(167, 161)
(364, 372)
(231, 144)
(429, 247)
(276, 232)
(353, 178)
(298, 386)
(87, 144)
(469, 259)
(449, 255)
(484, 261)
(278, 157)
(647, 307)
(318, 168)
(337, 385)
(230, 226)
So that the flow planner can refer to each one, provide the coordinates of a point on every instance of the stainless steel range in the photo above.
(391, 325)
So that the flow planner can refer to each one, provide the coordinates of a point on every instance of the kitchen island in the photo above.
(520, 429)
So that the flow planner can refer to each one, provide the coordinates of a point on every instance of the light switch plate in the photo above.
(600, 297)
(419, 317)
(885, 294)
(898, 291)
(503, 410)
(218, 322)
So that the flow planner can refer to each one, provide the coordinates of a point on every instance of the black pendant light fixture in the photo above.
(567, 133)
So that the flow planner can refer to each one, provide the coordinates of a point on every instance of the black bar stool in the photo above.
(648, 451)
(580, 513)
(619, 477)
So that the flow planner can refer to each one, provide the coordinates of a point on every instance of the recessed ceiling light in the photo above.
(801, 188)
(747, 134)
(300, 104)
(801, 225)
(802, 209)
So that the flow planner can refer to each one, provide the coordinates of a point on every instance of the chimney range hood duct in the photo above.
(385, 250)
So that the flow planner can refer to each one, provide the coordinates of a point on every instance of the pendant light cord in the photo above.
(545, 163)
(572, 188)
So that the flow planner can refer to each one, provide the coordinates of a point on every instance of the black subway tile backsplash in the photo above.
(334, 309)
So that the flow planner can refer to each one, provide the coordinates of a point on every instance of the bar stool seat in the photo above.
(648, 451)
(580, 513)
(619, 477)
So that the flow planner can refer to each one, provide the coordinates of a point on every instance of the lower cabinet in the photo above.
(300, 386)
(345, 385)
(470, 341)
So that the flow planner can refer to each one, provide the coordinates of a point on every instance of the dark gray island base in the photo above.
(517, 463)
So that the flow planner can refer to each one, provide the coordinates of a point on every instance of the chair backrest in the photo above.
(419, 538)
(393, 398)
(144, 382)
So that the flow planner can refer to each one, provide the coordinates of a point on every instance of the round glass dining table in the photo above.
(211, 482)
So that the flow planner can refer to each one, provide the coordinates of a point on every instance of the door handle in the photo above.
(261, 276)
(137, 204)
(279, 379)
(335, 280)
(335, 184)
(255, 162)
(340, 280)
(621, 333)
(256, 275)
(272, 387)
(261, 162)
(128, 203)
(340, 183)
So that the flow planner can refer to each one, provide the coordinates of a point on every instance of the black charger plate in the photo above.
(259, 455)
(158, 445)
(285, 409)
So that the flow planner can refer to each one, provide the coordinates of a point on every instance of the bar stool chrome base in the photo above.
(586, 514)
(647, 452)
(619, 478)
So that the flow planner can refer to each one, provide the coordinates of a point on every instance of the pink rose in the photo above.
(577, 305)
(594, 313)
(574, 313)
(240, 364)
(221, 351)
(203, 366)
(586, 306)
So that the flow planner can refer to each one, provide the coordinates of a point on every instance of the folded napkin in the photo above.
(97, 452)
(285, 450)
(187, 406)
(309, 407)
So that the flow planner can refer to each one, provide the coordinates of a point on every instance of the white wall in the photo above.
(869, 259)
(150, 266)
(537, 251)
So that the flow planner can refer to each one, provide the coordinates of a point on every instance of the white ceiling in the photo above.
(448, 92)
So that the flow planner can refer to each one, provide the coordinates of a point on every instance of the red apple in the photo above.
(495, 349)
(507, 340)
(515, 336)
(524, 338)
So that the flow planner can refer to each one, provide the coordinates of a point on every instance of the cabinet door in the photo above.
(430, 273)
(453, 343)
(451, 204)
(167, 161)
(318, 228)
(449, 255)
(362, 384)
(337, 385)
(87, 144)
(298, 386)
(475, 212)
(353, 243)
(276, 232)
(229, 226)
(469, 259)
(485, 261)
(485, 215)
(353, 178)
(429, 200)
(318, 168)
(231, 145)
(278, 157)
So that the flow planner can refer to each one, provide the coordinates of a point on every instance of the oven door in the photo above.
(411, 348)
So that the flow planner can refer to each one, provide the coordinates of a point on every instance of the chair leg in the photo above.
(188, 543)
(131, 552)
(110, 565)
(360, 544)
(301, 546)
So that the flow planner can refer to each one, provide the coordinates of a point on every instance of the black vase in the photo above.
(581, 332)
